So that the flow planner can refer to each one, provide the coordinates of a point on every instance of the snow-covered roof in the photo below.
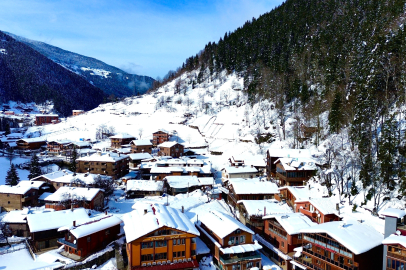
(140, 156)
(44, 195)
(141, 142)
(53, 175)
(51, 115)
(92, 225)
(293, 223)
(355, 236)
(222, 224)
(21, 188)
(122, 136)
(20, 216)
(301, 164)
(257, 207)
(168, 144)
(103, 157)
(301, 192)
(144, 185)
(82, 144)
(64, 142)
(87, 178)
(393, 212)
(395, 240)
(254, 187)
(241, 248)
(138, 223)
(289, 153)
(54, 220)
(67, 193)
(184, 181)
(33, 140)
(241, 169)
(324, 205)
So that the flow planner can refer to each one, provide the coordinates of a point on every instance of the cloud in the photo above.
(131, 68)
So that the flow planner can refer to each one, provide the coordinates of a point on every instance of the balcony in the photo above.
(64, 242)
(235, 259)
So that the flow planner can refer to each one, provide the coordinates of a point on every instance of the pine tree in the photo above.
(72, 164)
(35, 169)
(334, 118)
(12, 178)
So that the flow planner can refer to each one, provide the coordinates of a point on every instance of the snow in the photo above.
(267, 264)
(140, 156)
(303, 192)
(241, 248)
(138, 223)
(22, 260)
(355, 236)
(393, 212)
(238, 170)
(22, 187)
(144, 185)
(20, 216)
(3, 51)
(122, 136)
(87, 178)
(54, 220)
(293, 223)
(69, 193)
(93, 225)
(5, 164)
(272, 247)
(167, 144)
(257, 207)
(188, 181)
(54, 175)
(97, 72)
(141, 142)
(222, 224)
(324, 205)
(103, 157)
(251, 186)
(395, 240)
(294, 164)
(201, 247)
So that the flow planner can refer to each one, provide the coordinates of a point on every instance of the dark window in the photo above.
(147, 245)
(183, 254)
(88, 239)
(147, 257)
(160, 256)
(174, 254)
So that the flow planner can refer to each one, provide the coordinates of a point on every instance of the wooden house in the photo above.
(63, 147)
(273, 154)
(342, 246)
(44, 227)
(172, 149)
(135, 159)
(141, 146)
(24, 194)
(160, 136)
(31, 143)
(86, 237)
(231, 243)
(395, 252)
(187, 183)
(250, 189)
(117, 141)
(294, 171)
(77, 112)
(67, 197)
(238, 172)
(16, 222)
(142, 188)
(291, 194)
(111, 164)
(319, 210)
(160, 237)
(44, 119)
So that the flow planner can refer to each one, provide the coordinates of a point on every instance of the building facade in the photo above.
(44, 119)
(141, 146)
(159, 137)
(111, 164)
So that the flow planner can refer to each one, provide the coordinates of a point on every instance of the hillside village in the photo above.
(180, 181)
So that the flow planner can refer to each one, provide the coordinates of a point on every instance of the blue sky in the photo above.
(147, 37)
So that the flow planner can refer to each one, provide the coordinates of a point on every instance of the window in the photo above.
(236, 266)
(183, 253)
(349, 261)
(8, 202)
(107, 232)
(160, 256)
(174, 255)
(194, 240)
(242, 239)
(147, 245)
(249, 265)
(160, 243)
(147, 257)
(178, 254)
(8, 195)
(299, 236)
(231, 240)
(193, 252)
(88, 239)
(282, 244)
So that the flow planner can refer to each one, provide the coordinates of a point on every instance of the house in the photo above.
(231, 243)
(50, 179)
(9, 113)
(238, 172)
(340, 245)
(172, 149)
(141, 146)
(135, 159)
(16, 222)
(30, 144)
(43, 119)
(85, 237)
(142, 188)
(319, 210)
(250, 189)
(274, 154)
(81, 145)
(111, 164)
(257, 162)
(24, 194)
(77, 112)
(184, 184)
(117, 141)
(160, 237)
(294, 171)
(160, 136)
(67, 197)
(44, 227)
(307, 132)
(251, 212)
(291, 194)
(236, 161)
(63, 147)
(282, 235)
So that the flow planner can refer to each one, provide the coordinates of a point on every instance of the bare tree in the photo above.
(140, 131)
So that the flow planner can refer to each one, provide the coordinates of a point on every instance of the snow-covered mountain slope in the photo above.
(110, 79)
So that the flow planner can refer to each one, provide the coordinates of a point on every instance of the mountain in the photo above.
(112, 80)
(28, 76)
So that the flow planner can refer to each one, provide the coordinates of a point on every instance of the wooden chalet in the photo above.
(342, 246)
(160, 237)
(111, 164)
(67, 197)
(159, 137)
(294, 171)
(135, 159)
(142, 188)
(238, 172)
(31, 143)
(59, 147)
(273, 154)
(319, 210)
(16, 222)
(231, 243)
(307, 132)
(172, 149)
(44, 119)
(86, 237)
(117, 141)
(24, 194)
(44, 227)
(291, 194)
(250, 189)
(282, 235)
(141, 146)
(187, 183)
(77, 112)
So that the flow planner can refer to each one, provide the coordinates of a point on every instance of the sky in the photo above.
(145, 37)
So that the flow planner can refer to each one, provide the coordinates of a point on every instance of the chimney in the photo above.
(145, 211)
(99, 153)
(74, 223)
(71, 206)
(119, 154)
(264, 211)
(252, 166)
(105, 212)
(183, 209)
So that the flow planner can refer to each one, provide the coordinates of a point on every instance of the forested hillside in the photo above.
(28, 76)
(310, 58)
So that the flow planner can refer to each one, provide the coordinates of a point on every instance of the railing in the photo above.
(326, 259)
(238, 259)
(397, 256)
(64, 242)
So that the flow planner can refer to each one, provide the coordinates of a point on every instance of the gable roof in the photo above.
(140, 156)
(106, 157)
(53, 175)
(138, 223)
(257, 207)
(240, 169)
(141, 142)
(122, 136)
(395, 239)
(168, 144)
(144, 185)
(297, 164)
(222, 224)
(89, 226)
(250, 186)
(66, 193)
(393, 212)
(293, 223)
(355, 236)
(325, 205)
(21, 188)
(289, 153)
